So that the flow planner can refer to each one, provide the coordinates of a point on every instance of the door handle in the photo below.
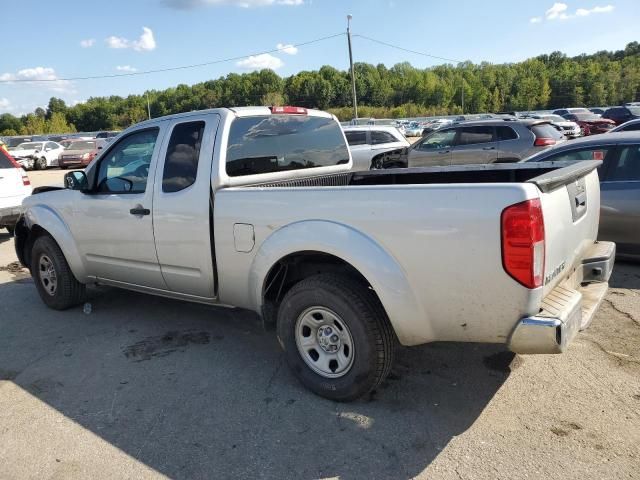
(140, 211)
(489, 148)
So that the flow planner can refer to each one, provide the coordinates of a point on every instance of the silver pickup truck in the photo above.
(257, 208)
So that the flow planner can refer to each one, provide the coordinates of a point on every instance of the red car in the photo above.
(80, 153)
(590, 123)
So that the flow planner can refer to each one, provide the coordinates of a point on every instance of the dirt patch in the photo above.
(161, 346)
(13, 267)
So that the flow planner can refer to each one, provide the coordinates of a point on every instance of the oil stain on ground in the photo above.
(163, 345)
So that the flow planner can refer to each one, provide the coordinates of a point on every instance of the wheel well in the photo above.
(25, 239)
(295, 267)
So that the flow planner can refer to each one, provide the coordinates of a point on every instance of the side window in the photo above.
(356, 138)
(181, 162)
(626, 167)
(594, 153)
(506, 133)
(378, 137)
(634, 127)
(51, 145)
(125, 168)
(474, 135)
(438, 140)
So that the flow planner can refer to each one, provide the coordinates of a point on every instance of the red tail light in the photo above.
(523, 242)
(289, 110)
(25, 178)
(544, 142)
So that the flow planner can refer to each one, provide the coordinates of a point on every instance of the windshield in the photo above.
(29, 146)
(634, 110)
(554, 118)
(82, 146)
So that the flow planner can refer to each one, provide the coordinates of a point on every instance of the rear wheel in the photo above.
(337, 339)
(56, 284)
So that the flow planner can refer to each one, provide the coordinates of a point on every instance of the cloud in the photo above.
(559, 11)
(287, 48)
(145, 43)
(5, 104)
(190, 4)
(126, 68)
(258, 62)
(88, 43)
(40, 73)
(584, 12)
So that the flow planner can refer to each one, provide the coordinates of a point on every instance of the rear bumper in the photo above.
(568, 308)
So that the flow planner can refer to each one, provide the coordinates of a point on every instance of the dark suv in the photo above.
(483, 141)
(621, 115)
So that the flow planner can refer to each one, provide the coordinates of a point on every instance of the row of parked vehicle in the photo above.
(42, 152)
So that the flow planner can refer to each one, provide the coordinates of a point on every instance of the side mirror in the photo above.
(76, 181)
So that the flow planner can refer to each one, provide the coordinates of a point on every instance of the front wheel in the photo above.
(336, 336)
(55, 282)
(41, 163)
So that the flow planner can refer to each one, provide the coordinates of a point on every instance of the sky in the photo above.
(61, 39)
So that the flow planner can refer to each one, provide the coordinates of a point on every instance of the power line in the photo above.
(170, 69)
(407, 50)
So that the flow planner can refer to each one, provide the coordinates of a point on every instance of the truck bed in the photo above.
(545, 175)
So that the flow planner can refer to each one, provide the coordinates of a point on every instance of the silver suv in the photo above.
(484, 141)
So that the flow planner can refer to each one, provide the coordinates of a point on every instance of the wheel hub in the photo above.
(324, 342)
(47, 274)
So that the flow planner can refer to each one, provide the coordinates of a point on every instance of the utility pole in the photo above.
(353, 73)
(148, 105)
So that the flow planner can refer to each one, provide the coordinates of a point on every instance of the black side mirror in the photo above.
(76, 181)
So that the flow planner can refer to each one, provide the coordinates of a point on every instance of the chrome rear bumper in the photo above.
(569, 307)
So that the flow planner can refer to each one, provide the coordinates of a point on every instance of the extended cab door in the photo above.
(432, 150)
(112, 224)
(181, 206)
(475, 144)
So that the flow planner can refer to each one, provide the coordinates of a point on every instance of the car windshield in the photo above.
(634, 110)
(82, 146)
(553, 118)
(579, 111)
(29, 146)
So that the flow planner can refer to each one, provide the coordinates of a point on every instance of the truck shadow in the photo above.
(200, 392)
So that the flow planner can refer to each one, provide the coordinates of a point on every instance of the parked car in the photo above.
(436, 124)
(108, 134)
(265, 214)
(373, 146)
(619, 184)
(630, 126)
(14, 188)
(80, 153)
(621, 115)
(590, 123)
(12, 142)
(568, 128)
(564, 111)
(483, 141)
(37, 155)
(414, 129)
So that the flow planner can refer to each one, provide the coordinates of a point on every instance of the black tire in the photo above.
(373, 339)
(68, 292)
(41, 164)
(63, 167)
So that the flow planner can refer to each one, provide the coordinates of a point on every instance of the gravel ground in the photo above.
(144, 387)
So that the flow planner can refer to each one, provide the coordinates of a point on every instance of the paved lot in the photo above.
(144, 387)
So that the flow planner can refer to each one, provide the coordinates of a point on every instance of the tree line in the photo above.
(543, 82)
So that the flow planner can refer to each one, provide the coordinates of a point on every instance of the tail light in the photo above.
(544, 142)
(289, 110)
(523, 242)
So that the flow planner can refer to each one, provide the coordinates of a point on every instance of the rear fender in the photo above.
(370, 259)
(50, 221)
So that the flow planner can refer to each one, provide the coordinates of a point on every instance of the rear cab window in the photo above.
(279, 143)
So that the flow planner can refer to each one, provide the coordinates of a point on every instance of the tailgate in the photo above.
(570, 199)
(10, 182)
